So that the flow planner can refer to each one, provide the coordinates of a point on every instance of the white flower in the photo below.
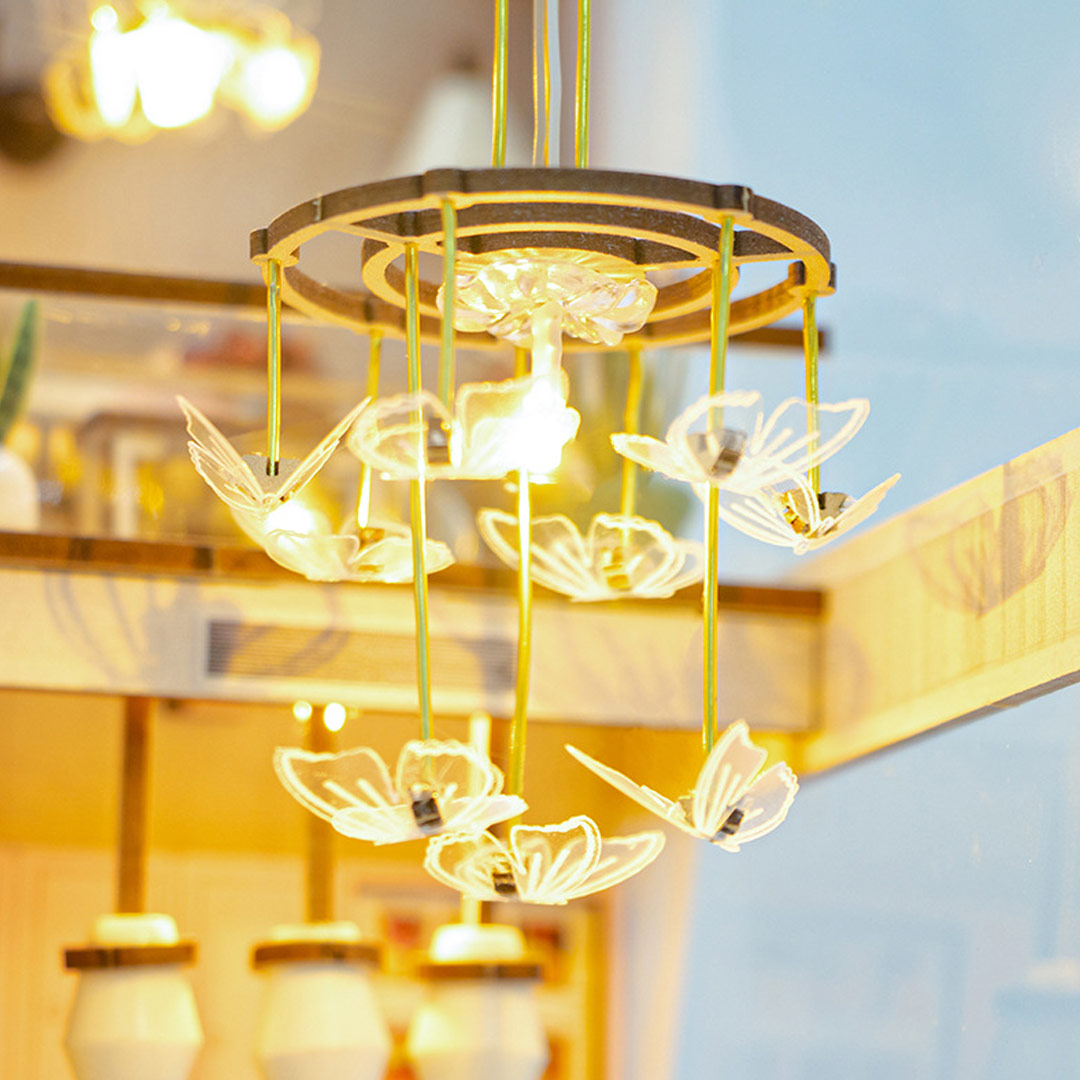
(622, 556)
(497, 428)
(727, 441)
(305, 543)
(540, 865)
(242, 482)
(730, 804)
(438, 786)
(798, 518)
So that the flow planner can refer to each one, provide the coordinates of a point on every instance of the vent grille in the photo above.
(289, 652)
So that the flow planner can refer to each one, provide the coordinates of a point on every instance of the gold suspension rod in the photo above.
(516, 778)
(363, 506)
(273, 366)
(721, 300)
(416, 496)
(319, 862)
(134, 806)
(631, 425)
(581, 97)
(500, 78)
(446, 351)
(810, 349)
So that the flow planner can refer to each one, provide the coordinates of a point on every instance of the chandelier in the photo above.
(543, 259)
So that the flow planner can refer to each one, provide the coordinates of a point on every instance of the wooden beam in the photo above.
(962, 606)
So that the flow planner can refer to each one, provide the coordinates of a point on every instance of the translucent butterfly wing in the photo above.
(218, 463)
(692, 569)
(446, 768)
(854, 515)
(328, 783)
(554, 860)
(765, 804)
(643, 796)
(317, 557)
(391, 434)
(760, 516)
(656, 456)
(318, 457)
(725, 776)
(390, 560)
(377, 824)
(559, 558)
(642, 552)
(477, 814)
(467, 862)
(620, 858)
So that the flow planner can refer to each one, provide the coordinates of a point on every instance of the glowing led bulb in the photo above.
(302, 711)
(334, 716)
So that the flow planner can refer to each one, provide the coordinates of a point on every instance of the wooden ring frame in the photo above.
(306, 952)
(524, 970)
(655, 223)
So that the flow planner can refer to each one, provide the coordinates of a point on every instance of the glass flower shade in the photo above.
(438, 786)
(550, 864)
(799, 518)
(496, 429)
(242, 483)
(731, 804)
(303, 541)
(531, 297)
(727, 440)
(621, 556)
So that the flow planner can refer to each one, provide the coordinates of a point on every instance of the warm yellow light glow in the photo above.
(302, 711)
(294, 516)
(112, 72)
(276, 84)
(178, 68)
(104, 19)
(334, 716)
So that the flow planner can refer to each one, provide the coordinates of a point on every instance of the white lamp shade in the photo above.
(134, 1023)
(478, 1027)
(20, 507)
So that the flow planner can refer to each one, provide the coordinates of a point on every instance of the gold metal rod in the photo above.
(134, 806)
(480, 740)
(720, 317)
(273, 366)
(363, 504)
(319, 861)
(581, 98)
(810, 349)
(516, 777)
(500, 79)
(446, 351)
(416, 496)
(631, 424)
(547, 86)
(538, 49)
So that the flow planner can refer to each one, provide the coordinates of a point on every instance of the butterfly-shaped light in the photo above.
(731, 804)
(727, 440)
(621, 555)
(799, 518)
(304, 542)
(550, 864)
(496, 429)
(242, 483)
(438, 786)
(527, 293)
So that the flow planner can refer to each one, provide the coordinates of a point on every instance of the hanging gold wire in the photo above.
(273, 366)
(581, 97)
(810, 349)
(721, 299)
(363, 504)
(500, 76)
(416, 495)
(631, 425)
(516, 776)
(446, 351)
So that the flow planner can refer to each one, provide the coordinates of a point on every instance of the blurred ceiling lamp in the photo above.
(161, 69)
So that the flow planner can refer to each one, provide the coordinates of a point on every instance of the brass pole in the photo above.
(416, 500)
(500, 79)
(721, 299)
(134, 806)
(810, 349)
(516, 779)
(581, 98)
(363, 505)
(446, 351)
(273, 366)
(631, 424)
(319, 864)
